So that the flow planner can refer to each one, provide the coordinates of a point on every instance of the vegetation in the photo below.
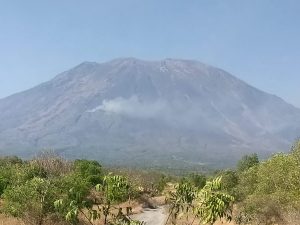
(48, 190)
(268, 192)
(51, 190)
(247, 162)
(208, 204)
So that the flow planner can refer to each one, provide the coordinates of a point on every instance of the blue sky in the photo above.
(255, 40)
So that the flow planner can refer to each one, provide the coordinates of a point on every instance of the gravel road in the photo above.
(152, 216)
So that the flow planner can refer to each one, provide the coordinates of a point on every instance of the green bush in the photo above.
(199, 180)
(270, 189)
(89, 170)
(31, 201)
(3, 184)
(247, 162)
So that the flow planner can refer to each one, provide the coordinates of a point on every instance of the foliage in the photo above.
(75, 190)
(73, 197)
(182, 200)
(160, 185)
(247, 183)
(112, 190)
(214, 204)
(3, 184)
(20, 172)
(52, 164)
(31, 201)
(265, 192)
(208, 204)
(73, 204)
(41, 193)
(22, 195)
(10, 160)
(199, 180)
(270, 189)
(89, 170)
(229, 181)
(148, 182)
(247, 162)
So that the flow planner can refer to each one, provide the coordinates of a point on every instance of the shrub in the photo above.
(31, 201)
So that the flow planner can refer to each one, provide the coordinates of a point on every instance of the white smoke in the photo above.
(133, 107)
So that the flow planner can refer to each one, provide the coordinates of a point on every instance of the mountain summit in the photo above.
(130, 111)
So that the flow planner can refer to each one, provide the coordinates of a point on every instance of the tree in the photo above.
(247, 183)
(89, 170)
(270, 189)
(182, 200)
(208, 204)
(73, 198)
(21, 172)
(229, 180)
(247, 162)
(213, 203)
(52, 164)
(199, 180)
(113, 189)
(31, 201)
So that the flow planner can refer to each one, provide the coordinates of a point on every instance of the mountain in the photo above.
(133, 112)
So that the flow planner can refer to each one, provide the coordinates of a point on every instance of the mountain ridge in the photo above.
(144, 60)
(164, 109)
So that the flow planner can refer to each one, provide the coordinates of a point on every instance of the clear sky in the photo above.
(255, 40)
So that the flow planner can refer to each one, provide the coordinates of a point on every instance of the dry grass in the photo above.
(9, 221)
(190, 220)
(136, 209)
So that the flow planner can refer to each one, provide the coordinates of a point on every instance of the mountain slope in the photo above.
(155, 112)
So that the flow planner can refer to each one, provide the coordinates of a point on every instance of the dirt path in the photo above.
(152, 216)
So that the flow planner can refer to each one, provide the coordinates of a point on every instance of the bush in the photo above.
(247, 162)
(31, 201)
(52, 164)
(270, 189)
(89, 170)
(199, 180)
(3, 185)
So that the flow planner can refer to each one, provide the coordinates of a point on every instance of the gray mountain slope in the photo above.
(129, 111)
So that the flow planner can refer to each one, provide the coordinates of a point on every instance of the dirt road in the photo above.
(152, 216)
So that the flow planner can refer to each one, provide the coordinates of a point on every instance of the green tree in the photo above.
(182, 200)
(247, 184)
(199, 180)
(229, 181)
(247, 162)
(208, 204)
(270, 189)
(89, 170)
(213, 203)
(31, 201)
(20, 172)
(73, 197)
(113, 189)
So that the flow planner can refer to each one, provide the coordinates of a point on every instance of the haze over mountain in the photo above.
(133, 112)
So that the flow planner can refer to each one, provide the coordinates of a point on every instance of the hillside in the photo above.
(147, 113)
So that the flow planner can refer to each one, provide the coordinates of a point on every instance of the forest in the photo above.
(49, 189)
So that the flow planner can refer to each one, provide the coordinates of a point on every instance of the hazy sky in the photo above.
(255, 40)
